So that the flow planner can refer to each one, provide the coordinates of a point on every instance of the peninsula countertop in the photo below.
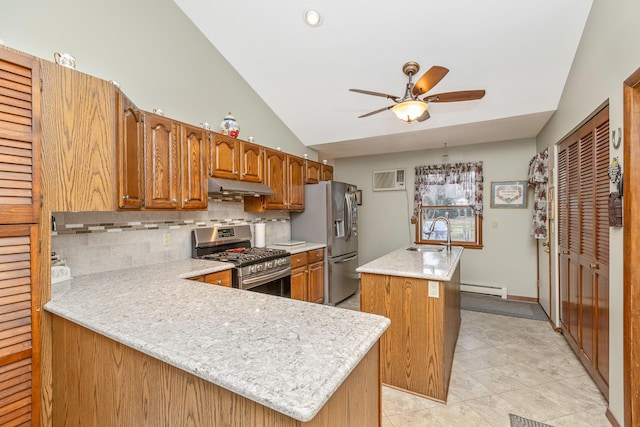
(424, 262)
(288, 355)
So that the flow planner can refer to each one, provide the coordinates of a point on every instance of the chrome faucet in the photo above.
(446, 221)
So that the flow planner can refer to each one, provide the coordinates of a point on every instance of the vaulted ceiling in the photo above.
(520, 52)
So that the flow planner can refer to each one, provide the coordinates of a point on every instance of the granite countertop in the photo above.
(416, 263)
(296, 249)
(288, 355)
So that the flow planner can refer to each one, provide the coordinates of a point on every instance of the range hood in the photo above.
(230, 186)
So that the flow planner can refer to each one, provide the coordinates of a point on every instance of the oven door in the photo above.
(273, 283)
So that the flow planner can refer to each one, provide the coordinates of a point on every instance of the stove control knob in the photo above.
(269, 264)
(252, 269)
(259, 267)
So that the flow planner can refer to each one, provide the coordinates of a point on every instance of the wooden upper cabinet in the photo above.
(193, 150)
(295, 183)
(162, 167)
(224, 156)
(275, 178)
(251, 162)
(129, 155)
(327, 173)
(19, 138)
(312, 172)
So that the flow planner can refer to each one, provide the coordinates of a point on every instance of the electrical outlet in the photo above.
(166, 239)
(494, 224)
(434, 289)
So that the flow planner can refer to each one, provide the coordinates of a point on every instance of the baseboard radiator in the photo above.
(482, 289)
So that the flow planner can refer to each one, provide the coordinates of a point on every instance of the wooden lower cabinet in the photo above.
(98, 381)
(307, 276)
(417, 349)
(220, 278)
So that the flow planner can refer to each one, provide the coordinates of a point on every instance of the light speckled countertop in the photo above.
(288, 355)
(422, 265)
(296, 249)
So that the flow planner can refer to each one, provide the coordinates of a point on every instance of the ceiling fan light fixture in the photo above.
(408, 111)
(312, 17)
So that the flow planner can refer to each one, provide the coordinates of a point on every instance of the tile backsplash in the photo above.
(94, 242)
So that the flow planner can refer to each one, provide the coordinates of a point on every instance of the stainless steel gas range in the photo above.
(255, 269)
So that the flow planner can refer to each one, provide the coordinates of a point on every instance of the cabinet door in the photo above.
(130, 155)
(251, 162)
(224, 157)
(312, 172)
(295, 183)
(316, 283)
(193, 193)
(20, 325)
(161, 163)
(275, 178)
(327, 173)
(220, 278)
(299, 283)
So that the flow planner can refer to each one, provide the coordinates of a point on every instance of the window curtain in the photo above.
(538, 177)
(468, 175)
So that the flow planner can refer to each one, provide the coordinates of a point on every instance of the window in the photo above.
(455, 193)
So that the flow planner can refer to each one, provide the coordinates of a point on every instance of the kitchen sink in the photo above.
(426, 248)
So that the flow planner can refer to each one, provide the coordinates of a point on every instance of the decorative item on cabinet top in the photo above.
(229, 126)
(65, 59)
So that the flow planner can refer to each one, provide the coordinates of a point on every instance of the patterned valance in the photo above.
(468, 175)
(538, 177)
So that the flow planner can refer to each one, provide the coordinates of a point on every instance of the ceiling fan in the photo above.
(409, 107)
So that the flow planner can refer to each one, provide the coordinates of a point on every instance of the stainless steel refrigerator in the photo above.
(331, 216)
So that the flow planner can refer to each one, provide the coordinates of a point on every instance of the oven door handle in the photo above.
(259, 280)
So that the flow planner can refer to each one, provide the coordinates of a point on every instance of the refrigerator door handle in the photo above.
(347, 199)
(347, 259)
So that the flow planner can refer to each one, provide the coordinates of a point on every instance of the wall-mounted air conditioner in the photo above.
(388, 180)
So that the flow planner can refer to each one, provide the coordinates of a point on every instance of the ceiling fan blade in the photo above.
(368, 92)
(429, 80)
(424, 116)
(376, 112)
(464, 95)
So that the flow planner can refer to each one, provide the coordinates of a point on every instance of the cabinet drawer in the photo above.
(298, 260)
(221, 278)
(316, 255)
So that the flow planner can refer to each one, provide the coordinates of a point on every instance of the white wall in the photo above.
(509, 254)
(608, 53)
(156, 54)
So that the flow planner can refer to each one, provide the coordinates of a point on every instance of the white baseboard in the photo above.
(488, 290)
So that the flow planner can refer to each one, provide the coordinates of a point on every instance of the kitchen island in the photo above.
(144, 346)
(419, 290)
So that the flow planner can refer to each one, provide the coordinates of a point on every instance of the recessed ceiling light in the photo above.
(312, 17)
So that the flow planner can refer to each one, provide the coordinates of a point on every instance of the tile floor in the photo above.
(503, 365)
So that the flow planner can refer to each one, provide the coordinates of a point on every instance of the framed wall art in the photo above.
(509, 194)
(359, 197)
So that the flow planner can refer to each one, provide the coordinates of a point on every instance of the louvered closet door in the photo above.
(563, 236)
(587, 245)
(600, 265)
(19, 110)
(573, 220)
(19, 331)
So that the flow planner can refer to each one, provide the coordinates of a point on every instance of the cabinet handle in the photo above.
(565, 252)
(219, 282)
(174, 200)
(594, 266)
(125, 197)
(186, 201)
(236, 172)
(244, 174)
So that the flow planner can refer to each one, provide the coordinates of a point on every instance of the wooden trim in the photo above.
(631, 249)
(612, 419)
(519, 298)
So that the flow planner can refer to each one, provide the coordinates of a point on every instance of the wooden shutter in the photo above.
(563, 230)
(602, 192)
(587, 211)
(19, 331)
(19, 104)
